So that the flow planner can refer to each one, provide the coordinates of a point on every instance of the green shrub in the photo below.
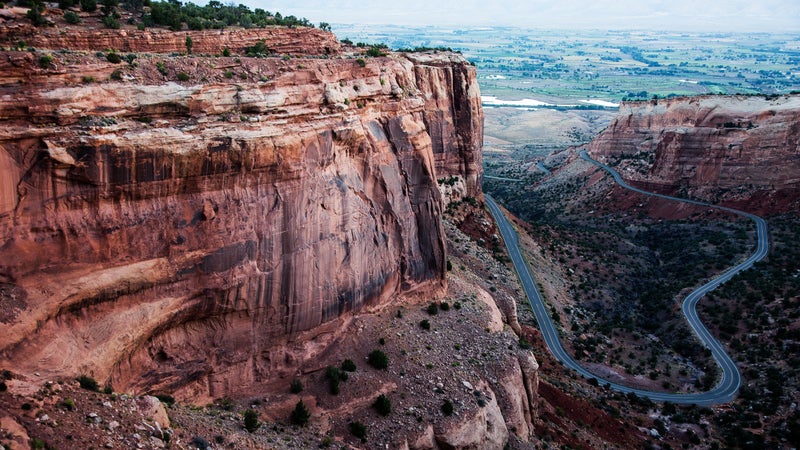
(258, 49)
(69, 404)
(189, 45)
(425, 324)
(335, 376)
(378, 359)
(382, 405)
(111, 22)
(228, 74)
(457, 305)
(88, 5)
(72, 18)
(226, 52)
(251, 420)
(359, 430)
(296, 386)
(361, 62)
(433, 309)
(116, 75)
(444, 306)
(375, 52)
(225, 403)
(300, 414)
(46, 61)
(348, 365)
(160, 67)
(37, 444)
(183, 76)
(165, 398)
(88, 383)
(447, 408)
(114, 58)
(36, 17)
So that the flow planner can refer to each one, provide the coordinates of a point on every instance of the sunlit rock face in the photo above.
(197, 237)
(740, 150)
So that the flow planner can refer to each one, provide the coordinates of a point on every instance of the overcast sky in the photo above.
(679, 15)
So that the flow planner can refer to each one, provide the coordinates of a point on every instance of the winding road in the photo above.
(731, 380)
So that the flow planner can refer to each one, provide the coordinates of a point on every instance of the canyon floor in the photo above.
(614, 266)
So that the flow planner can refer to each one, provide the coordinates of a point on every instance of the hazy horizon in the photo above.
(676, 15)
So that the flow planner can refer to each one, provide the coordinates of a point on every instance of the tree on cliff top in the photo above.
(214, 15)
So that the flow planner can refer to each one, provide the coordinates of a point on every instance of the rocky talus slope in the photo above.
(738, 150)
(198, 224)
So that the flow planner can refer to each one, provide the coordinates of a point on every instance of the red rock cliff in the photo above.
(197, 236)
(735, 150)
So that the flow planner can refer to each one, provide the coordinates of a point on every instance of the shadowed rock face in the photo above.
(736, 150)
(195, 239)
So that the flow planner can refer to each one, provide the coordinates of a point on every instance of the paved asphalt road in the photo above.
(725, 390)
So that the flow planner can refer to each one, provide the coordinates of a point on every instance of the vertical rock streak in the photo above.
(197, 254)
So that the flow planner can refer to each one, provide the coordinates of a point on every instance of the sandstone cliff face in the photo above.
(454, 117)
(281, 40)
(202, 236)
(736, 150)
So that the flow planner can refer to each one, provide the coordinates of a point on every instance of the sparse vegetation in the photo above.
(88, 383)
(359, 430)
(72, 18)
(348, 365)
(68, 404)
(447, 408)
(251, 422)
(378, 359)
(214, 15)
(46, 61)
(113, 57)
(433, 309)
(258, 49)
(300, 414)
(296, 386)
(335, 376)
(88, 5)
(383, 405)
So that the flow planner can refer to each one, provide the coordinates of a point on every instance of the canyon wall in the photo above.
(196, 224)
(736, 150)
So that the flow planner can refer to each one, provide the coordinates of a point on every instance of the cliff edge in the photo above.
(196, 223)
(743, 151)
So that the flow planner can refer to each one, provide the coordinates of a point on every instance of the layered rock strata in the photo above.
(280, 40)
(741, 150)
(185, 233)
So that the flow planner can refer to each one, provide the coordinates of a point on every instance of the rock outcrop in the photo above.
(280, 40)
(736, 150)
(195, 224)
